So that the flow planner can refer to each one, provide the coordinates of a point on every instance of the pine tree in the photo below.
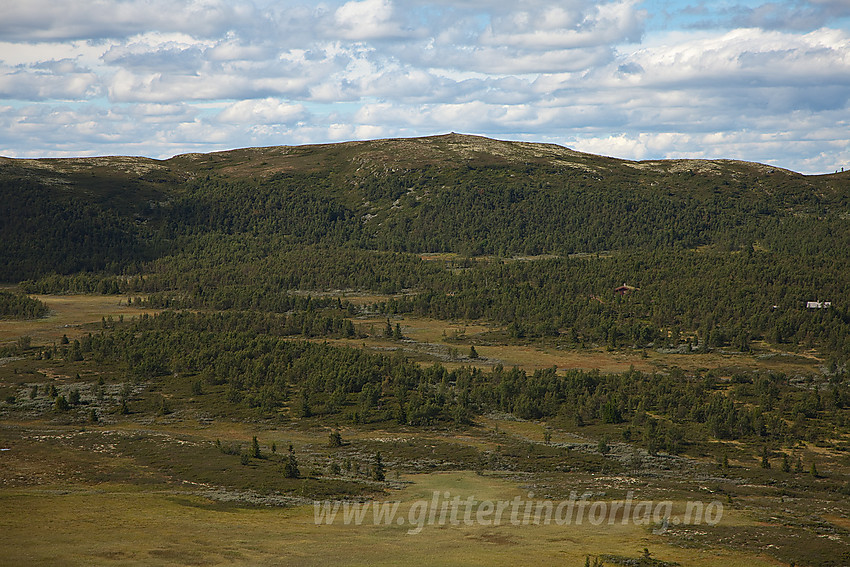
(304, 404)
(378, 471)
(290, 469)
(335, 439)
(62, 404)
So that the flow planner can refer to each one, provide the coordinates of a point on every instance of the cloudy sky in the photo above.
(758, 80)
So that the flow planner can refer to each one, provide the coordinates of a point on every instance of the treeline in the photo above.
(259, 367)
(306, 323)
(468, 209)
(241, 271)
(19, 306)
(708, 299)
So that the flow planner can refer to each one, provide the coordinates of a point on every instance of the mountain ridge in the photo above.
(436, 149)
(449, 193)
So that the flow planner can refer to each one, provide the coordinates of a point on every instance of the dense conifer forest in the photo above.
(20, 306)
(718, 253)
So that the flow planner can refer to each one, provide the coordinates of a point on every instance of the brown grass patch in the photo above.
(68, 313)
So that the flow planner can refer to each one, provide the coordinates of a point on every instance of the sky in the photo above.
(757, 80)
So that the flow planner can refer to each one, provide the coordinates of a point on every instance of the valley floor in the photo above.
(166, 489)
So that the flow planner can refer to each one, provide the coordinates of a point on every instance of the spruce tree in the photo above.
(62, 404)
(290, 469)
(378, 471)
(335, 439)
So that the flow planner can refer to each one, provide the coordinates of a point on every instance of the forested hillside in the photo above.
(716, 253)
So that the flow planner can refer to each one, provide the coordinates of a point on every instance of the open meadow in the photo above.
(169, 482)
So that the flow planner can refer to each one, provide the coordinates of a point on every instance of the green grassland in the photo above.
(118, 525)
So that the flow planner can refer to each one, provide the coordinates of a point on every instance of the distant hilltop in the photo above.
(377, 155)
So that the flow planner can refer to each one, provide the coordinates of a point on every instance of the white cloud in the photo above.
(49, 20)
(265, 111)
(748, 56)
(48, 80)
(578, 26)
(366, 19)
(162, 113)
(146, 76)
